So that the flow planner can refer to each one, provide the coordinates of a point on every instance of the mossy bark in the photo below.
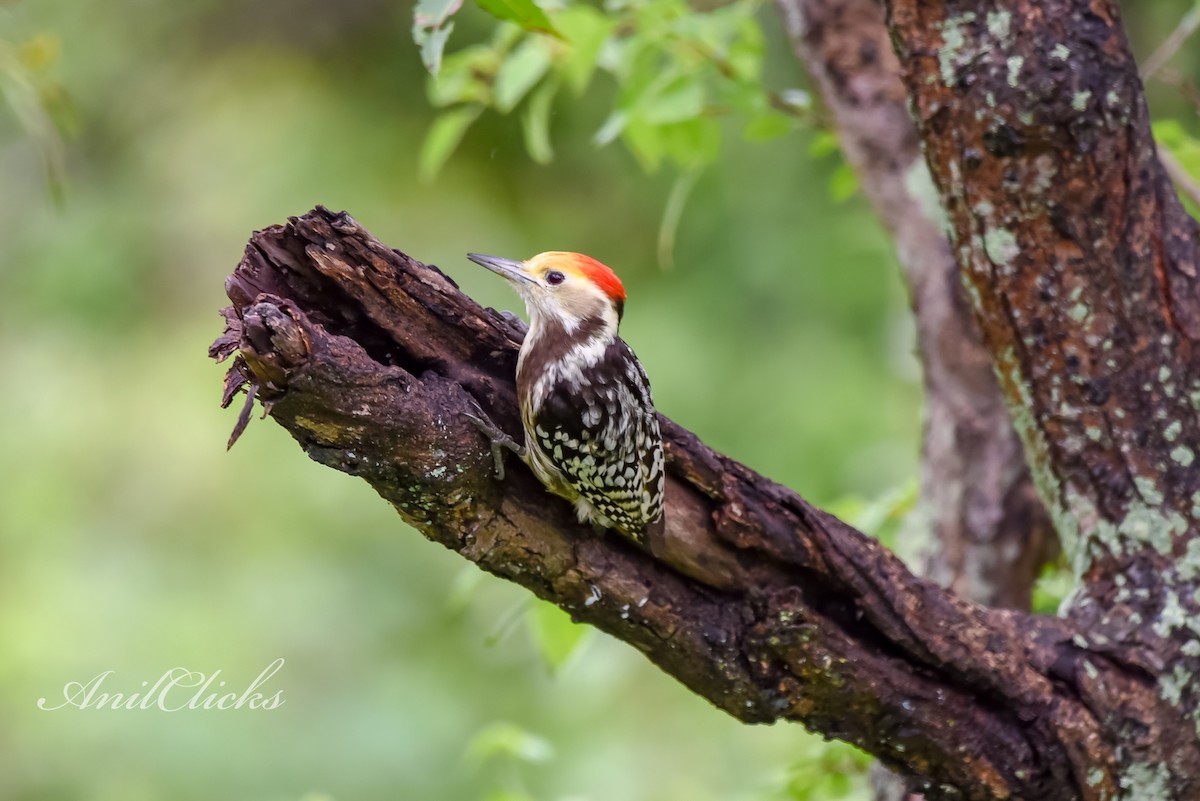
(766, 606)
(1080, 273)
(1081, 266)
(990, 532)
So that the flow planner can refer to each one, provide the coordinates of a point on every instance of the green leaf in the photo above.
(747, 50)
(640, 70)
(770, 125)
(519, 72)
(586, 31)
(506, 36)
(40, 52)
(881, 517)
(557, 637)
(535, 123)
(657, 18)
(824, 143)
(729, 36)
(645, 141)
(1052, 587)
(692, 143)
(830, 771)
(443, 137)
(843, 184)
(510, 741)
(1171, 134)
(1172, 137)
(465, 77)
(523, 12)
(611, 129)
(682, 100)
(746, 100)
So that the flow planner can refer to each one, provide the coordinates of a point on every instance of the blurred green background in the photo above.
(133, 542)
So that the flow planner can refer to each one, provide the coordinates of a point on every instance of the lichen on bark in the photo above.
(1080, 269)
(1081, 264)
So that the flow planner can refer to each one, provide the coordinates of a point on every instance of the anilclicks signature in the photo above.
(176, 690)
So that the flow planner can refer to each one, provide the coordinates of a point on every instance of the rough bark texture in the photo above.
(1082, 269)
(764, 605)
(990, 532)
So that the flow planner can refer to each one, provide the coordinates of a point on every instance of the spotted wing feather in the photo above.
(602, 433)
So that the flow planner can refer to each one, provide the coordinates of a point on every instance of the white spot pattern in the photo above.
(593, 435)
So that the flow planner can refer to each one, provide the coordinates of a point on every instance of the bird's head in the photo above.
(568, 288)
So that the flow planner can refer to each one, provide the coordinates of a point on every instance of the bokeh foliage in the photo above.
(674, 72)
(132, 542)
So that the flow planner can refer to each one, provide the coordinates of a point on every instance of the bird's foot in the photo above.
(498, 439)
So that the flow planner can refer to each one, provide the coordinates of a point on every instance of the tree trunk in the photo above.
(991, 534)
(1080, 266)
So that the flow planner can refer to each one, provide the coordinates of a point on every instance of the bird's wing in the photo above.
(602, 433)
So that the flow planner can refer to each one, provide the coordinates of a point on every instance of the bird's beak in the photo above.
(512, 270)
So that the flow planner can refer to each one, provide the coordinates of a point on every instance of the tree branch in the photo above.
(1081, 268)
(757, 601)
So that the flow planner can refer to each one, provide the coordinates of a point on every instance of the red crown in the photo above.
(601, 275)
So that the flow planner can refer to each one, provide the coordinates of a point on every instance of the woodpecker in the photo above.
(591, 432)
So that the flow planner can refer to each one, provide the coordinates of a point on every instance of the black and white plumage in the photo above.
(591, 431)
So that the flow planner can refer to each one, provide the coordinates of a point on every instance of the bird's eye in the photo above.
(554, 278)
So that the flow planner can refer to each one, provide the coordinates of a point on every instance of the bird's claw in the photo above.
(496, 437)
